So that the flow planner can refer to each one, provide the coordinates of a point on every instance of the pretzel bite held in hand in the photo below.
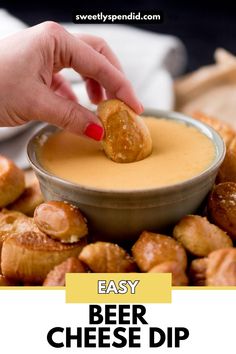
(222, 207)
(153, 249)
(179, 277)
(199, 236)
(221, 268)
(29, 256)
(12, 182)
(61, 221)
(57, 276)
(106, 257)
(127, 138)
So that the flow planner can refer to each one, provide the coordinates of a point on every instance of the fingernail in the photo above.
(94, 131)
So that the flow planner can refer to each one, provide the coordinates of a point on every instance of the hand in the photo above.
(32, 88)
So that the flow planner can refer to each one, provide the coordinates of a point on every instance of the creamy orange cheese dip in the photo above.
(179, 153)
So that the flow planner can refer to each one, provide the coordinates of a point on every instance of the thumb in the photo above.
(67, 114)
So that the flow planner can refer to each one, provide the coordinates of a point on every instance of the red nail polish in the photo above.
(94, 131)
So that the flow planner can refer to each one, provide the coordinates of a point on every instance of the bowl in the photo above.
(123, 215)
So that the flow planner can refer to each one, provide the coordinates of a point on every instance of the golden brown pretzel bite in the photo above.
(179, 277)
(12, 181)
(14, 222)
(127, 138)
(8, 219)
(221, 268)
(153, 249)
(224, 129)
(57, 276)
(222, 207)
(11, 221)
(6, 282)
(28, 200)
(61, 221)
(197, 272)
(227, 171)
(199, 236)
(29, 256)
(105, 257)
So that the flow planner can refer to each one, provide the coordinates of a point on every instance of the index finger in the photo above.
(101, 46)
(75, 53)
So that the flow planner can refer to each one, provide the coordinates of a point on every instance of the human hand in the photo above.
(32, 88)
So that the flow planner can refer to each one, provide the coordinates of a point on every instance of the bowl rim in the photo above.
(211, 133)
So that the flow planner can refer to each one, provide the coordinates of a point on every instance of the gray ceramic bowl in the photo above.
(122, 215)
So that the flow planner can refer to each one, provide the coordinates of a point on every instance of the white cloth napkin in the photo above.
(149, 60)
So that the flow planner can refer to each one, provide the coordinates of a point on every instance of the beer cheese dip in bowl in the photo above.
(120, 200)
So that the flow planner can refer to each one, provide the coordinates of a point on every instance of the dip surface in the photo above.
(179, 153)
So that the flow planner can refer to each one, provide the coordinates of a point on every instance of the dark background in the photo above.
(201, 25)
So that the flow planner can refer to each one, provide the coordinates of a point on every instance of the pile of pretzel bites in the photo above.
(42, 241)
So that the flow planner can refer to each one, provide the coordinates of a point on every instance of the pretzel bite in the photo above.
(197, 271)
(8, 224)
(224, 129)
(127, 138)
(6, 282)
(221, 268)
(14, 222)
(57, 276)
(153, 249)
(21, 224)
(29, 200)
(227, 171)
(8, 219)
(199, 236)
(179, 277)
(222, 207)
(105, 257)
(12, 182)
(29, 256)
(61, 221)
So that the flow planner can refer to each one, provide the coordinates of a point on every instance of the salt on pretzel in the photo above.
(29, 256)
(127, 138)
